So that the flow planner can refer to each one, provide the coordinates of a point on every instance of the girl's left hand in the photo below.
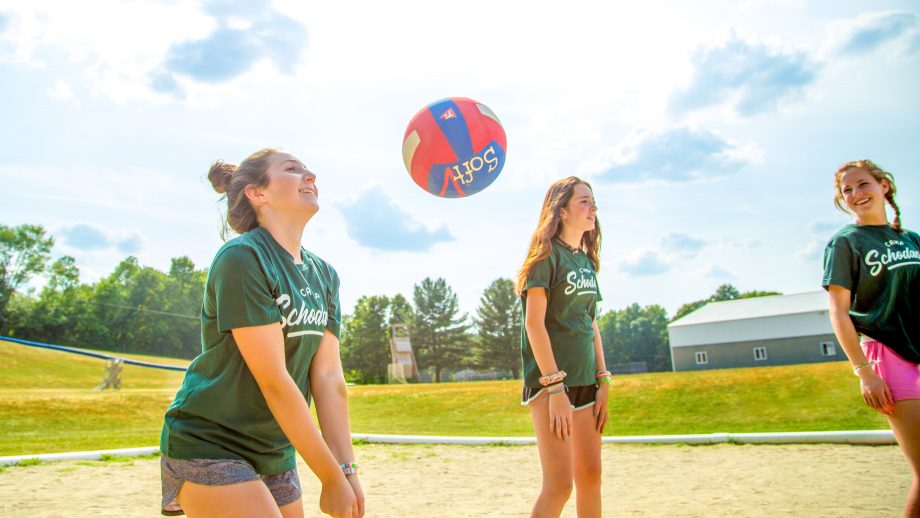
(600, 407)
(359, 493)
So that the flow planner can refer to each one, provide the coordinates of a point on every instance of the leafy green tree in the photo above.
(64, 274)
(52, 317)
(438, 332)
(636, 334)
(499, 324)
(365, 343)
(24, 252)
(755, 293)
(140, 309)
(400, 310)
(180, 307)
(723, 292)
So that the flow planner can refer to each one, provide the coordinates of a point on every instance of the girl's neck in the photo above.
(288, 234)
(873, 218)
(571, 237)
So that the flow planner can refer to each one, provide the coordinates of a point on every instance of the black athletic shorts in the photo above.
(579, 397)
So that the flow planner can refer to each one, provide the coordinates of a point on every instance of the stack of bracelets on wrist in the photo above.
(349, 468)
(551, 380)
(603, 377)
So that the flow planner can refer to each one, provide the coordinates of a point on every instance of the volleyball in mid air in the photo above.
(454, 147)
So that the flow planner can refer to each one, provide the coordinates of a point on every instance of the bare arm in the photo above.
(535, 326)
(327, 384)
(560, 410)
(600, 397)
(874, 390)
(599, 361)
(839, 302)
(262, 347)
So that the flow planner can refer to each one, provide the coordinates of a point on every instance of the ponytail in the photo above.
(231, 181)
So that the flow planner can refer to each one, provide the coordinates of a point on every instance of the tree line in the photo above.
(142, 310)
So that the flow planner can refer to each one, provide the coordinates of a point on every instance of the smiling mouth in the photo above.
(861, 202)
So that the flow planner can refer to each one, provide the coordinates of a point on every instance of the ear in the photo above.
(885, 187)
(255, 195)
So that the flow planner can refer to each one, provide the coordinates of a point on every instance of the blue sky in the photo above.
(709, 131)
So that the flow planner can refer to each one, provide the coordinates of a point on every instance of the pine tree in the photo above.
(365, 344)
(499, 324)
(438, 333)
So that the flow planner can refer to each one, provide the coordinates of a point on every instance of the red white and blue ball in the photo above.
(454, 147)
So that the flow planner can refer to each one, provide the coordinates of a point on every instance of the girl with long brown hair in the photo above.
(561, 351)
(872, 277)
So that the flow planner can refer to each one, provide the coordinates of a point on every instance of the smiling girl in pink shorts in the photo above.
(872, 276)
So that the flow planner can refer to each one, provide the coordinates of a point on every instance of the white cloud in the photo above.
(644, 263)
(895, 31)
(750, 77)
(811, 250)
(678, 154)
(376, 221)
(61, 92)
(717, 272)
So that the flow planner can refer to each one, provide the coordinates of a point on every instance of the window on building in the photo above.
(828, 349)
(760, 353)
(702, 358)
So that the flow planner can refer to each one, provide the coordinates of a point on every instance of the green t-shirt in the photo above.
(881, 268)
(219, 411)
(571, 306)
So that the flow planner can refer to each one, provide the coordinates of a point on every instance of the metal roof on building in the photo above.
(756, 307)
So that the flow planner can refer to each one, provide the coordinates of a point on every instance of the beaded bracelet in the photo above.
(557, 391)
(349, 468)
(856, 368)
(551, 379)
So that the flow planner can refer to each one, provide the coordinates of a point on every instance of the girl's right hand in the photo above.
(338, 499)
(560, 415)
(875, 392)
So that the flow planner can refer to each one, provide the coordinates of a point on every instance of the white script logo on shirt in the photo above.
(583, 284)
(876, 260)
(301, 316)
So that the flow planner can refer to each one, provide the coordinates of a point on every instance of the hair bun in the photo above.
(220, 175)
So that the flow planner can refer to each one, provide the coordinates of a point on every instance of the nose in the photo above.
(309, 175)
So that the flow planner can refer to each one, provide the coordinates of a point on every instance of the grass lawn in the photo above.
(47, 403)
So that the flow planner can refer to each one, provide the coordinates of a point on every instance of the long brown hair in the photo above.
(876, 172)
(549, 226)
(231, 181)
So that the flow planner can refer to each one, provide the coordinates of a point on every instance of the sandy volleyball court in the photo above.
(478, 481)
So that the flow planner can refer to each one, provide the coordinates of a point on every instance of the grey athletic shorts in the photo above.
(285, 487)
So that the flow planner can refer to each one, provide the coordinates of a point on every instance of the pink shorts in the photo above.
(902, 376)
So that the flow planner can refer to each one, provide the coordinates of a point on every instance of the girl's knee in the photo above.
(559, 490)
(588, 475)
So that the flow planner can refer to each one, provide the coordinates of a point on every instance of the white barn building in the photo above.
(759, 331)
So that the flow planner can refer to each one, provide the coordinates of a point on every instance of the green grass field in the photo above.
(47, 403)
